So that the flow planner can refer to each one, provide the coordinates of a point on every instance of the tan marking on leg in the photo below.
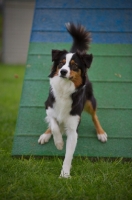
(45, 137)
(89, 108)
(48, 131)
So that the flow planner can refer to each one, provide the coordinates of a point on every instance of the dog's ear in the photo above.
(87, 59)
(57, 53)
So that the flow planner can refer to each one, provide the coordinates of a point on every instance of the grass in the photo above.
(1, 26)
(38, 178)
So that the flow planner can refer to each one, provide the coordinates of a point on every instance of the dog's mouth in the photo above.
(69, 78)
(63, 76)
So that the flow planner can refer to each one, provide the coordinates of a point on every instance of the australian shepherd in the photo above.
(70, 93)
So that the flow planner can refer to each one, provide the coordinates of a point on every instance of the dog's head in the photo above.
(71, 66)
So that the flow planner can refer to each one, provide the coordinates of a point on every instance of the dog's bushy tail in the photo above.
(81, 37)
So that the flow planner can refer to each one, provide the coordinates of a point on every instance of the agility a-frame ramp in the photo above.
(111, 75)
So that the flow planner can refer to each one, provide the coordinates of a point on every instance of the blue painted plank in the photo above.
(102, 37)
(84, 4)
(94, 20)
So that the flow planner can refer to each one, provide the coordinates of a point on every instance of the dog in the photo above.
(70, 93)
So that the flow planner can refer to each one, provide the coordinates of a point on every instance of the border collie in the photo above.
(70, 93)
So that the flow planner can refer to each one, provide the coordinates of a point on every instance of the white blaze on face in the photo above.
(66, 65)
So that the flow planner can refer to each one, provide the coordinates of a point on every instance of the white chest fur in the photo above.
(62, 90)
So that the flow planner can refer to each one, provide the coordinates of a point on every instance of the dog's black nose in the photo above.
(63, 72)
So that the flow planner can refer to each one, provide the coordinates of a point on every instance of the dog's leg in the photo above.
(102, 136)
(52, 130)
(58, 140)
(45, 137)
(71, 127)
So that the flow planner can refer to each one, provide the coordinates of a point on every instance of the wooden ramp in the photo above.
(111, 75)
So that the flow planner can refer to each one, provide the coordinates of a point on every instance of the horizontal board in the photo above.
(98, 37)
(34, 93)
(108, 94)
(84, 4)
(93, 19)
(38, 67)
(95, 49)
(31, 122)
(111, 69)
(102, 69)
(28, 146)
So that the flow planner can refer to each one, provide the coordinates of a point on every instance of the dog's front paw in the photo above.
(102, 137)
(58, 140)
(59, 145)
(64, 174)
(44, 138)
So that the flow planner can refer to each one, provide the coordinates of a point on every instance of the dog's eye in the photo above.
(60, 65)
(74, 67)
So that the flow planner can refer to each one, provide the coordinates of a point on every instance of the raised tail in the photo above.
(81, 37)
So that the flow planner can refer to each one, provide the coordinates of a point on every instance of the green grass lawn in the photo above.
(38, 178)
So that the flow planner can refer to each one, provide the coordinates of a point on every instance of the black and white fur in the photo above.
(68, 95)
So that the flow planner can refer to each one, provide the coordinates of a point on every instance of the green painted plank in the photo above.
(102, 68)
(31, 122)
(86, 147)
(113, 95)
(111, 69)
(108, 95)
(38, 67)
(34, 93)
(96, 49)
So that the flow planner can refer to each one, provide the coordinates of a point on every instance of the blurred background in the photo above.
(15, 25)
